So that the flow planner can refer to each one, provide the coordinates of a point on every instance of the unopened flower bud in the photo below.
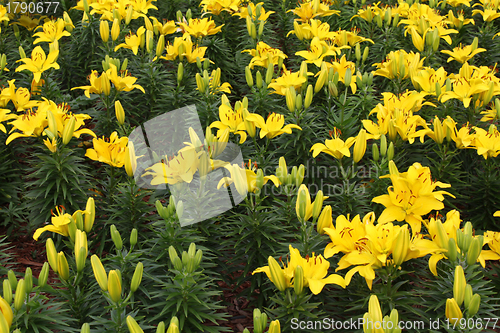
(20, 295)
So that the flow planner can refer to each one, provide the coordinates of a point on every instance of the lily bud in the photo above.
(390, 151)
(301, 204)
(128, 18)
(452, 250)
(114, 286)
(325, 220)
(474, 250)
(99, 272)
(6, 315)
(269, 73)
(257, 325)
(259, 180)
(366, 51)
(20, 294)
(52, 122)
(86, 7)
(459, 284)
(160, 328)
(375, 152)
(105, 84)
(360, 146)
(300, 175)
(62, 266)
(104, 30)
(51, 256)
(347, 77)
(85, 328)
(28, 280)
(133, 326)
(120, 113)
(180, 73)
(358, 52)
(116, 237)
(149, 41)
(441, 236)
(89, 215)
(467, 295)
(160, 46)
(290, 97)
(453, 312)
(22, 54)
(277, 275)
(320, 82)
(332, 89)
(474, 44)
(68, 130)
(173, 328)
(179, 209)
(115, 30)
(274, 327)
(248, 76)
(474, 305)
(43, 276)
(309, 97)
(7, 290)
(401, 246)
(298, 280)
(258, 80)
(137, 277)
(318, 204)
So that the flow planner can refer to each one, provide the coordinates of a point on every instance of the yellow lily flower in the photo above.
(396, 61)
(95, 85)
(317, 51)
(123, 82)
(52, 31)
(273, 126)
(425, 80)
(411, 196)
(217, 6)
(132, 41)
(142, 6)
(487, 143)
(111, 151)
(31, 123)
(263, 53)
(464, 90)
(245, 176)
(335, 147)
(200, 27)
(184, 47)
(28, 22)
(341, 67)
(102, 6)
(346, 236)
(492, 238)
(176, 169)
(59, 224)
(462, 53)
(167, 28)
(5, 115)
(39, 62)
(459, 21)
(287, 80)
(310, 9)
(231, 119)
(488, 14)
(315, 269)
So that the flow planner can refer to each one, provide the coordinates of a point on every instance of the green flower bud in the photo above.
(28, 280)
(115, 285)
(7, 291)
(298, 280)
(160, 328)
(474, 250)
(20, 295)
(309, 96)
(452, 250)
(248, 76)
(258, 80)
(300, 175)
(22, 54)
(375, 152)
(133, 237)
(137, 277)
(116, 237)
(317, 205)
(132, 325)
(179, 209)
(85, 328)
(62, 266)
(459, 284)
(474, 305)
(277, 275)
(99, 272)
(44, 275)
(12, 278)
(390, 151)
(269, 73)
(467, 295)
